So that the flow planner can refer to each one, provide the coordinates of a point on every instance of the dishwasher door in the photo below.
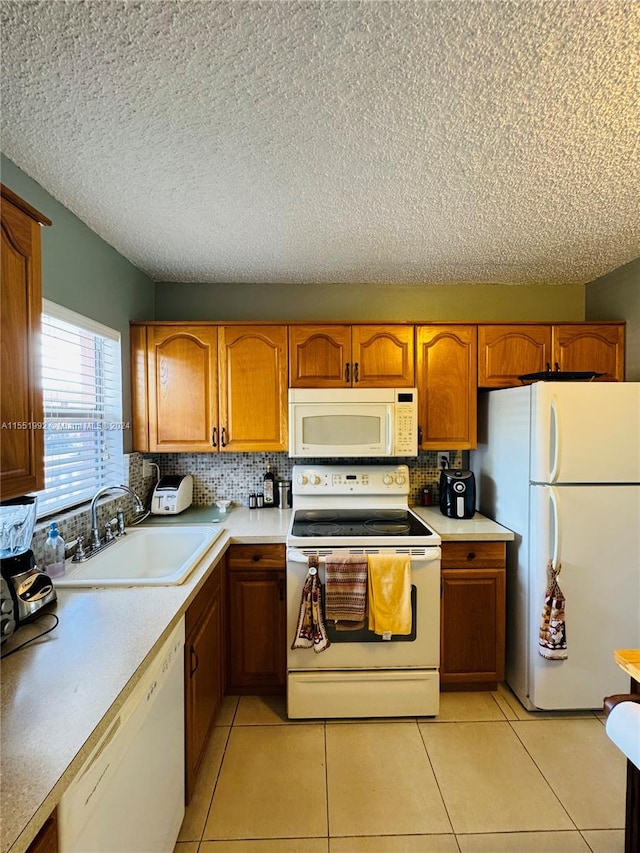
(129, 796)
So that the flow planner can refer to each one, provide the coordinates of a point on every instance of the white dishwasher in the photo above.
(129, 795)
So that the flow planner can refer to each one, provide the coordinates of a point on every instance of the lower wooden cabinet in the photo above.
(46, 841)
(472, 618)
(203, 671)
(256, 627)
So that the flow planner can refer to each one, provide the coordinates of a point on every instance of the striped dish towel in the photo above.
(346, 591)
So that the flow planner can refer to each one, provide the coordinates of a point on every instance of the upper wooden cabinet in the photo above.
(338, 356)
(446, 381)
(207, 388)
(590, 346)
(21, 447)
(507, 352)
(253, 388)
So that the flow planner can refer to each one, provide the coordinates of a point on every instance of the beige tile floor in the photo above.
(485, 776)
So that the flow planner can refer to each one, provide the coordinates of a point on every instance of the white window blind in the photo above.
(82, 389)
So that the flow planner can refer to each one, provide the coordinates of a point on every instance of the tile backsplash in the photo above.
(233, 476)
(230, 476)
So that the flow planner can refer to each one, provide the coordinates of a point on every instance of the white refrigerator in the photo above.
(558, 463)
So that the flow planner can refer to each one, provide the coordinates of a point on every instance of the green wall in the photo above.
(616, 296)
(83, 273)
(372, 302)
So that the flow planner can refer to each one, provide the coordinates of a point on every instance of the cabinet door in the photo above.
(21, 448)
(182, 388)
(203, 670)
(382, 356)
(257, 659)
(507, 352)
(319, 356)
(588, 346)
(472, 627)
(253, 388)
(447, 371)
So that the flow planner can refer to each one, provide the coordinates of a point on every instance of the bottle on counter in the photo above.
(269, 488)
(53, 559)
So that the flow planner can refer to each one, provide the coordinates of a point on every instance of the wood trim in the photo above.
(24, 206)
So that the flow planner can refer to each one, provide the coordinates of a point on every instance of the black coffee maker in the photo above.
(25, 587)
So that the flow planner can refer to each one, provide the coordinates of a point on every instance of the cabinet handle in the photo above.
(419, 435)
(356, 377)
(281, 588)
(223, 441)
(256, 558)
(193, 655)
(347, 371)
(214, 437)
(471, 555)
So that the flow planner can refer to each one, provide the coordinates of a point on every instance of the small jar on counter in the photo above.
(253, 501)
(426, 498)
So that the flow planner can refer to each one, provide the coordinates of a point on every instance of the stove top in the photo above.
(380, 521)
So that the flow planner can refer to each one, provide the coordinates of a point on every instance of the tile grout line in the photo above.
(437, 781)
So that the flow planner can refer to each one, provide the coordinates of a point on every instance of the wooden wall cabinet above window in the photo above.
(207, 388)
(339, 356)
(21, 447)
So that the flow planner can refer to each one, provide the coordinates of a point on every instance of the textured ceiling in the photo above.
(335, 141)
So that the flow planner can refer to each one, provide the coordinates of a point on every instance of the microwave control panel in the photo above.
(406, 424)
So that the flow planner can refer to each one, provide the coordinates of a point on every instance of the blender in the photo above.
(26, 586)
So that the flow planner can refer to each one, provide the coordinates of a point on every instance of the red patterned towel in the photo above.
(346, 591)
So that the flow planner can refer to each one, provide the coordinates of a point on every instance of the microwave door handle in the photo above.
(389, 432)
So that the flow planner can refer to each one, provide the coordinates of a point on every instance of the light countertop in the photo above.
(61, 693)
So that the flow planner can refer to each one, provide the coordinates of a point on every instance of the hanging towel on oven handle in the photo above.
(310, 630)
(552, 644)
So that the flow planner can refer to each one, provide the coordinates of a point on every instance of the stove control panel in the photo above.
(346, 480)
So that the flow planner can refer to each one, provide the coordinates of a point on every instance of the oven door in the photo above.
(364, 649)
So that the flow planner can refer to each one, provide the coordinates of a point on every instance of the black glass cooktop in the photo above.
(357, 522)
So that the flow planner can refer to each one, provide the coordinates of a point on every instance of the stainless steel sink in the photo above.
(146, 556)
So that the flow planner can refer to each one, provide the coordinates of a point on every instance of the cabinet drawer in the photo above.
(469, 555)
(256, 557)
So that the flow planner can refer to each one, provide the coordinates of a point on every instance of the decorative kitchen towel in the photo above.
(345, 601)
(553, 630)
(389, 591)
(310, 631)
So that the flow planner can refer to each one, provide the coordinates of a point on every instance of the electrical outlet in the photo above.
(444, 459)
(147, 468)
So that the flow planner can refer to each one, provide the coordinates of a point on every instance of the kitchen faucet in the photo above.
(95, 534)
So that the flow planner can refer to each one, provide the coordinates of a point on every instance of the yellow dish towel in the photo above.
(389, 590)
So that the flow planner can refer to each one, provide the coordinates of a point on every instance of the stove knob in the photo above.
(315, 480)
(302, 480)
(401, 479)
(387, 479)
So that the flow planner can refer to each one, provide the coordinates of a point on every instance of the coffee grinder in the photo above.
(29, 588)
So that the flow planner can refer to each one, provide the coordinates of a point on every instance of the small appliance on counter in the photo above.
(26, 586)
(457, 493)
(172, 494)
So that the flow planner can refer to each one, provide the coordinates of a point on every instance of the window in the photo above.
(82, 389)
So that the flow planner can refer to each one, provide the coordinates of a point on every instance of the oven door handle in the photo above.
(431, 555)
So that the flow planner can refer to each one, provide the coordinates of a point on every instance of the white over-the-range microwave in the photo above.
(353, 422)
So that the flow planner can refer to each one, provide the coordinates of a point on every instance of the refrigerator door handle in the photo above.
(554, 438)
(555, 550)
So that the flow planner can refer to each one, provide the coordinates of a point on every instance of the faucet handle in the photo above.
(80, 553)
(120, 521)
